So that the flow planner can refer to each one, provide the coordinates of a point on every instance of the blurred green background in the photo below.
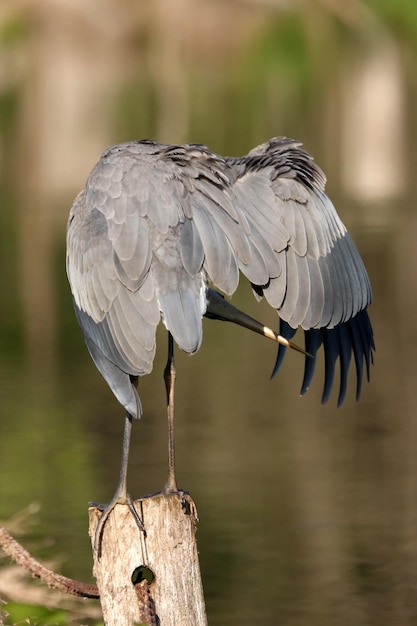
(308, 514)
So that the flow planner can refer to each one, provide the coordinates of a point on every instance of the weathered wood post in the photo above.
(167, 590)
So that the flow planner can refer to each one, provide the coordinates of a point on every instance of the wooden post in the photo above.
(168, 552)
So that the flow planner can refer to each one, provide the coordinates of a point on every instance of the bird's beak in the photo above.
(219, 308)
(267, 332)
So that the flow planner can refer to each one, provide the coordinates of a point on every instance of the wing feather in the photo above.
(156, 222)
(323, 285)
(183, 313)
(192, 251)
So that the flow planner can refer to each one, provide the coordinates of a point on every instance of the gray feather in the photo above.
(156, 223)
(182, 313)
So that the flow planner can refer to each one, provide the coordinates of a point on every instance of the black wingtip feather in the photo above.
(345, 356)
(331, 346)
(286, 331)
(357, 349)
(353, 336)
(313, 341)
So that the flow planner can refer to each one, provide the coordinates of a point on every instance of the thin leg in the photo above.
(121, 495)
(121, 488)
(169, 377)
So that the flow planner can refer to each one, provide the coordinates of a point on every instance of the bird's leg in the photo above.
(171, 485)
(121, 495)
(169, 377)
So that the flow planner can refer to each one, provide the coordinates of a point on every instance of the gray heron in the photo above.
(159, 228)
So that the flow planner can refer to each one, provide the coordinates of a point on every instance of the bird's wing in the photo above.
(152, 224)
(118, 319)
(322, 284)
(171, 221)
(195, 234)
(155, 222)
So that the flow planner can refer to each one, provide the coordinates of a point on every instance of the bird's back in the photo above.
(157, 223)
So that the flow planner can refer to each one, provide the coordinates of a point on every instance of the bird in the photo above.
(166, 231)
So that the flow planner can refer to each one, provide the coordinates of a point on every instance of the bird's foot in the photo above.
(106, 509)
(187, 502)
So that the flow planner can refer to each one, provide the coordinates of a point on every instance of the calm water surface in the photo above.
(307, 513)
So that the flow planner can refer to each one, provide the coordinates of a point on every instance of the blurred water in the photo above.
(308, 513)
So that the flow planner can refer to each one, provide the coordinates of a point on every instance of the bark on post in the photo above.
(169, 551)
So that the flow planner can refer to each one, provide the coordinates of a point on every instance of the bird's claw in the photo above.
(106, 511)
(187, 502)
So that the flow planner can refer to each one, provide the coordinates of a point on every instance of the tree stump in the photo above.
(151, 578)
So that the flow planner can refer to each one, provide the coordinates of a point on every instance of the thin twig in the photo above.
(146, 604)
(22, 557)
